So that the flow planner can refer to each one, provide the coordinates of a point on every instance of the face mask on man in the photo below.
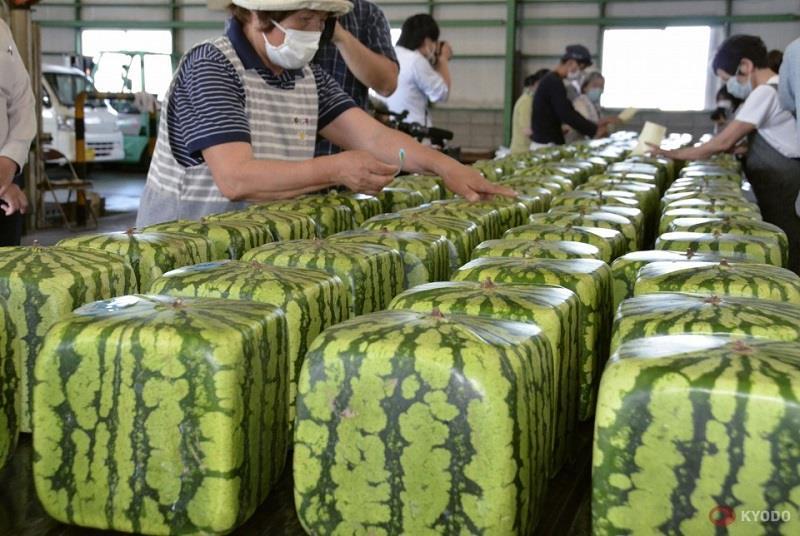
(738, 89)
(296, 51)
(594, 94)
(572, 76)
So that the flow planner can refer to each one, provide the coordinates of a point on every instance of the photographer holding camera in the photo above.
(424, 69)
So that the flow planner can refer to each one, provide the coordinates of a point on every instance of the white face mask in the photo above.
(575, 75)
(296, 51)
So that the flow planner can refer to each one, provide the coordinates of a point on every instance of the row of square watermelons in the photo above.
(697, 415)
(148, 409)
(450, 412)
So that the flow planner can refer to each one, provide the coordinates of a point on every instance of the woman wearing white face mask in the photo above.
(588, 104)
(242, 114)
(424, 69)
(773, 155)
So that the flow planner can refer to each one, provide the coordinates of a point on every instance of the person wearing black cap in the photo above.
(773, 154)
(554, 109)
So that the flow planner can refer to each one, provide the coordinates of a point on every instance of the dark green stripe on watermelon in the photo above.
(9, 385)
(402, 427)
(158, 415)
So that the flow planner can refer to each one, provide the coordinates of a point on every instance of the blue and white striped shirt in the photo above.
(369, 25)
(207, 103)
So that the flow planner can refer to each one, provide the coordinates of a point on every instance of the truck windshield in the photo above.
(68, 86)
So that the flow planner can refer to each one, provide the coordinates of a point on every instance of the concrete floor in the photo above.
(121, 189)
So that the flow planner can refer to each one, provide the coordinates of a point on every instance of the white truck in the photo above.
(60, 87)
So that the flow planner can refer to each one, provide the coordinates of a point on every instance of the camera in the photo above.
(438, 136)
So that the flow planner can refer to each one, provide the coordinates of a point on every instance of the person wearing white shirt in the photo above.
(424, 69)
(789, 86)
(773, 155)
(17, 130)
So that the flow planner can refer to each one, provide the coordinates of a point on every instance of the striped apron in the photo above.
(283, 126)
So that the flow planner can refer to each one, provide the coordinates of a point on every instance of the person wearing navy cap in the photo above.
(553, 107)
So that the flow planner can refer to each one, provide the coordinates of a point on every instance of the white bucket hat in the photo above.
(338, 7)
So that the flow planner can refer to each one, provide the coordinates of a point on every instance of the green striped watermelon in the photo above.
(158, 415)
(462, 234)
(426, 257)
(580, 216)
(9, 385)
(229, 239)
(312, 300)
(373, 274)
(644, 224)
(721, 205)
(430, 186)
(759, 248)
(589, 279)
(402, 428)
(667, 217)
(693, 430)
(704, 173)
(734, 226)
(397, 199)
(705, 194)
(622, 178)
(677, 313)
(513, 212)
(666, 165)
(557, 183)
(526, 189)
(487, 219)
(362, 206)
(647, 194)
(588, 197)
(536, 249)
(553, 309)
(733, 279)
(632, 166)
(149, 253)
(330, 218)
(610, 242)
(41, 285)
(282, 224)
(625, 269)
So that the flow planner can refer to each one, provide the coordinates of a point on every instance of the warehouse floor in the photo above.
(566, 512)
(121, 190)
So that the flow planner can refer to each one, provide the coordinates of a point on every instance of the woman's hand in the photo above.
(361, 172)
(471, 185)
(15, 200)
